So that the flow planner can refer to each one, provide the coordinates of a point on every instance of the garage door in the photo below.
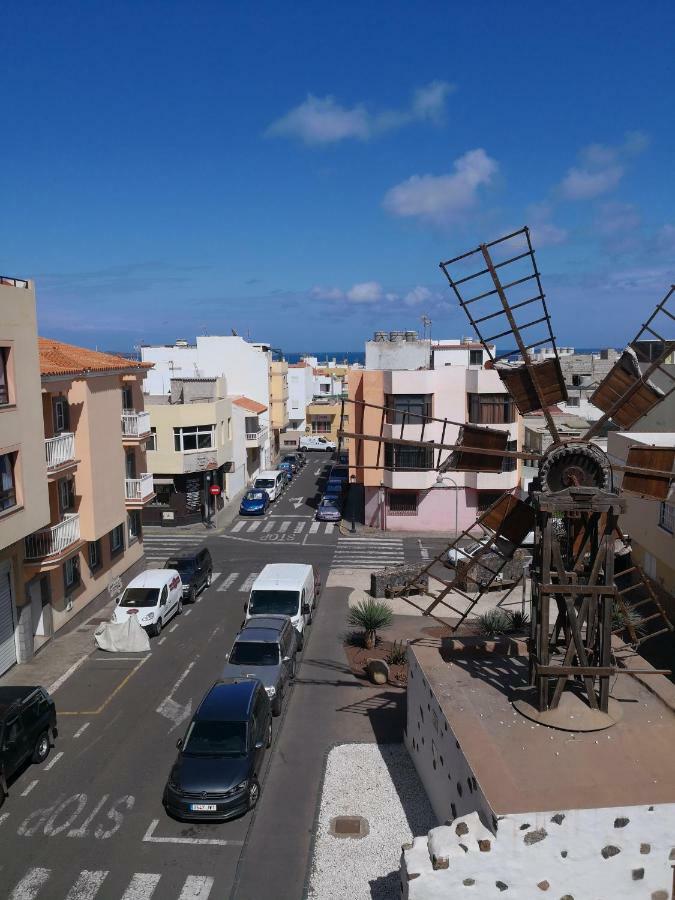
(7, 645)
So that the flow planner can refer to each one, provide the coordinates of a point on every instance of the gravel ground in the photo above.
(378, 782)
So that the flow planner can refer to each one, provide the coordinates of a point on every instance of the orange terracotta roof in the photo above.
(298, 365)
(250, 405)
(57, 358)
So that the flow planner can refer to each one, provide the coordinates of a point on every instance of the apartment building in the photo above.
(244, 366)
(324, 415)
(189, 451)
(279, 397)
(94, 434)
(24, 499)
(300, 394)
(401, 490)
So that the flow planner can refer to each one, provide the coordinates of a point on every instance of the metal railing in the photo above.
(135, 424)
(13, 282)
(258, 435)
(54, 540)
(60, 449)
(138, 489)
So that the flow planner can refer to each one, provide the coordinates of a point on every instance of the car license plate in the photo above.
(203, 807)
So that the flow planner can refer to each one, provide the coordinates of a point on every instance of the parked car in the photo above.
(343, 458)
(27, 719)
(215, 775)
(288, 589)
(335, 487)
(316, 442)
(302, 457)
(265, 649)
(154, 596)
(195, 568)
(469, 551)
(293, 460)
(329, 509)
(287, 468)
(254, 503)
(272, 481)
(340, 472)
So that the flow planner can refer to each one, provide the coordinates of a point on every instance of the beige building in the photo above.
(190, 451)
(24, 500)
(323, 417)
(278, 402)
(94, 431)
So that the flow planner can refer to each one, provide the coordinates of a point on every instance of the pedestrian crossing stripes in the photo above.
(245, 527)
(229, 581)
(368, 552)
(248, 582)
(159, 546)
(142, 886)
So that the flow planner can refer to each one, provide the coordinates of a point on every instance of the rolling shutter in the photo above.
(7, 644)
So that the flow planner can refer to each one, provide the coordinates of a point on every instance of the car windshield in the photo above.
(264, 483)
(140, 597)
(284, 603)
(248, 653)
(181, 565)
(339, 472)
(255, 495)
(208, 738)
(329, 503)
(472, 548)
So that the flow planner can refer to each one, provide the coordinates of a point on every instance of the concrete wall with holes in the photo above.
(623, 852)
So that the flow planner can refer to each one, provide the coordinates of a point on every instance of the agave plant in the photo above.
(493, 622)
(397, 655)
(519, 620)
(625, 615)
(370, 615)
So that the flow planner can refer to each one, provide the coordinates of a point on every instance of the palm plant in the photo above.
(519, 620)
(370, 615)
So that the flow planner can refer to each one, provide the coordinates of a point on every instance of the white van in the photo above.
(272, 482)
(154, 597)
(315, 442)
(289, 589)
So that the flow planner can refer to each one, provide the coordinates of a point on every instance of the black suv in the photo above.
(215, 775)
(195, 569)
(27, 716)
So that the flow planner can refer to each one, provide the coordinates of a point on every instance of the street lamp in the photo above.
(352, 497)
(440, 480)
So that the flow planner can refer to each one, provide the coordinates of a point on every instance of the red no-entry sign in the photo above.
(214, 489)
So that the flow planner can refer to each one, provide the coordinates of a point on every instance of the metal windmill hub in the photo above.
(578, 464)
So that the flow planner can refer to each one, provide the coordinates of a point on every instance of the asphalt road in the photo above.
(89, 823)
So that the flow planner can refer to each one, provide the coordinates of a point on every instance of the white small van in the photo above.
(272, 482)
(315, 442)
(154, 597)
(289, 589)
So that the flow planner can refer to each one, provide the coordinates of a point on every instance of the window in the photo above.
(667, 517)
(194, 437)
(475, 357)
(402, 502)
(229, 429)
(133, 526)
(151, 443)
(60, 415)
(324, 388)
(321, 424)
(116, 540)
(66, 494)
(509, 463)
(491, 409)
(71, 573)
(573, 401)
(398, 457)
(162, 494)
(411, 409)
(486, 499)
(7, 482)
(4, 378)
(94, 555)
(127, 399)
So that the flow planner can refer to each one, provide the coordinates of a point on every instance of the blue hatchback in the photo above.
(287, 468)
(254, 503)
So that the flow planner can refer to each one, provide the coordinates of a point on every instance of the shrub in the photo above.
(493, 622)
(370, 615)
(622, 617)
(519, 620)
(397, 654)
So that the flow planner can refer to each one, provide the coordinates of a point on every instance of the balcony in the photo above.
(52, 542)
(60, 452)
(256, 438)
(135, 425)
(138, 491)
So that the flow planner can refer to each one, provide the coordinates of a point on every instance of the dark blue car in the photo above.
(254, 503)
(287, 468)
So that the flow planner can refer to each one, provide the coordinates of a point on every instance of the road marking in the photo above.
(114, 658)
(87, 885)
(232, 577)
(187, 612)
(247, 584)
(149, 837)
(141, 887)
(314, 527)
(238, 526)
(3, 817)
(196, 887)
(53, 761)
(254, 526)
(299, 528)
(329, 527)
(173, 627)
(214, 575)
(29, 789)
(172, 710)
(268, 526)
(96, 712)
(60, 680)
(30, 884)
(284, 526)
(162, 639)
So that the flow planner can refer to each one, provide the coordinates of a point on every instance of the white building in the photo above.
(245, 366)
(300, 394)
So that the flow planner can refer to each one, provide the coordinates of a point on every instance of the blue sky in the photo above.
(297, 171)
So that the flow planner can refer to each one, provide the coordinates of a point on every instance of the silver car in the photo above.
(265, 649)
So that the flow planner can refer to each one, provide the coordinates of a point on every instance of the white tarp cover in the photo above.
(127, 637)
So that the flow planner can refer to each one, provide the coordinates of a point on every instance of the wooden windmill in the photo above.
(573, 504)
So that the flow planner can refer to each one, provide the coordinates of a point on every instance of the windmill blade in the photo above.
(504, 291)
(648, 472)
(626, 393)
(642, 613)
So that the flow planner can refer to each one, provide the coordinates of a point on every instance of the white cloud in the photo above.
(326, 293)
(617, 219)
(583, 184)
(322, 120)
(602, 167)
(417, 295)
(440, 198)
(365, 292)
(543, 232)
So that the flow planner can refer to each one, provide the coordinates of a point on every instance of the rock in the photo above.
(638, 874)
(609, 851)
(378, 671)
(543, 885)
(621, 822)
(558, 818)
(645, 848)
(533, 837)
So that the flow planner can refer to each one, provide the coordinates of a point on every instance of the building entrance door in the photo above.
(7, 642)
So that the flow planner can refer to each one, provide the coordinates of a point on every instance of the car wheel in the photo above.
(179, 608)
(301, 642)
(158, 627)
(254, 793)
(41, 751)
(291, 674)
(192, 595)
(276, 706)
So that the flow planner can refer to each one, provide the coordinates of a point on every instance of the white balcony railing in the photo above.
(54, 540)
(135, 424)
(139, 489)
(256, 437)
(60, 449)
